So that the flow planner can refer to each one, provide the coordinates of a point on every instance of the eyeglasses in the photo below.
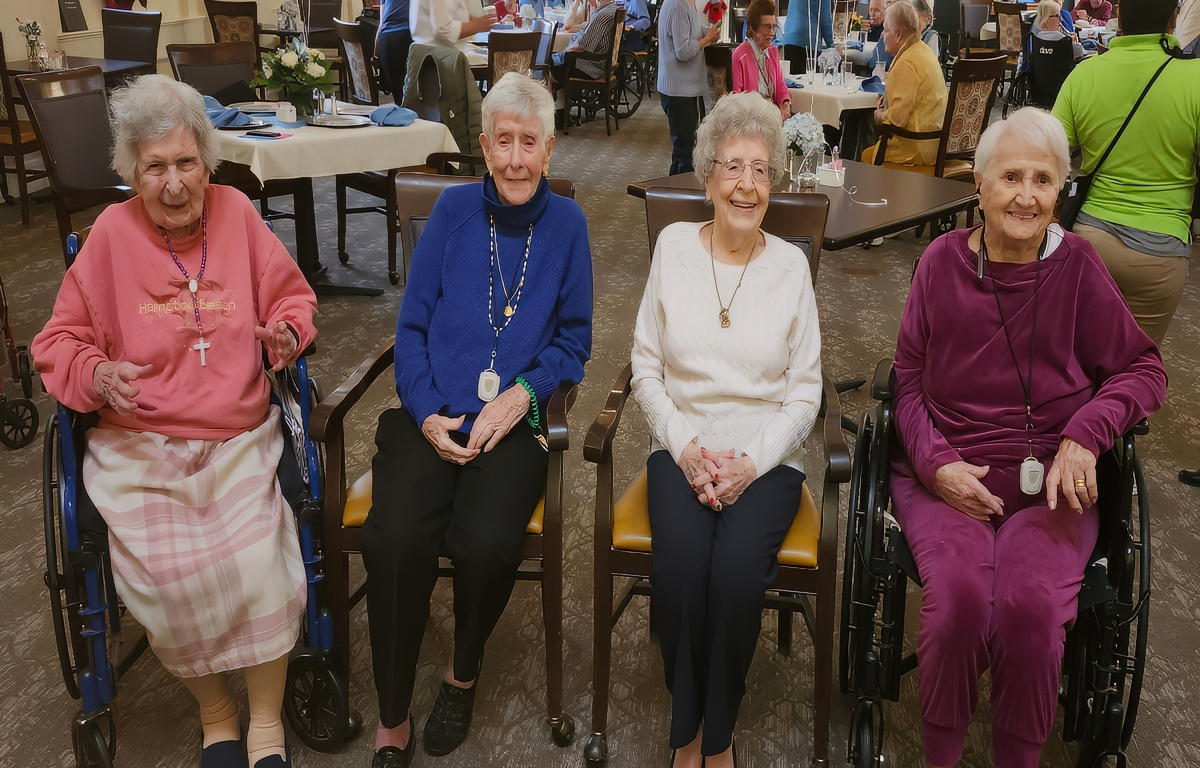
(184, 167)
(760, 170)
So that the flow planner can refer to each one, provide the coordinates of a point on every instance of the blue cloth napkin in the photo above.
(222, 116)
(393, 115)
(872, 85)
(793, 83)
(1090, 44)
(854, 45)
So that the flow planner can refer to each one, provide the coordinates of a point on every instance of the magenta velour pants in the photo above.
(997, 596)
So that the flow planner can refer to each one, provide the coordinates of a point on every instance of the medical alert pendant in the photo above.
(508, 311)
(1031, 476)
(489, 385)
(193, 285)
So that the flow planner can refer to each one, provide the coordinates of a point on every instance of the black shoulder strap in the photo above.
(1129, 117)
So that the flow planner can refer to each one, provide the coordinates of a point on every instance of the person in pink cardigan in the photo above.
(160, 327)
(756, 67)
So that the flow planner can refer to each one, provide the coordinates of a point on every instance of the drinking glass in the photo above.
(848, 80)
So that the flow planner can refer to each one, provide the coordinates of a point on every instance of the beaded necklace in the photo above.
(489, 380)
(194, 282)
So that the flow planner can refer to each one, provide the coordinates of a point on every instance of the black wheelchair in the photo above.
(18, 415)
(1105, 654)
(87, 616)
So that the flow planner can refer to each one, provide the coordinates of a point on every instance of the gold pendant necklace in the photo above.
(712, 254)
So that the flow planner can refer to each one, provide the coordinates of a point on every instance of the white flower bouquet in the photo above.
(294, 72)
(804, 133)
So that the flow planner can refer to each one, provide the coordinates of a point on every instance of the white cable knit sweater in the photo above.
(755, 386)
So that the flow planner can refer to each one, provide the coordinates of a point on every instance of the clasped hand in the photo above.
(718, 477)
(491, 425)
(113, 382)
(280, 344)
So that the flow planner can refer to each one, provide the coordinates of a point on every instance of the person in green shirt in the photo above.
(1138, 212)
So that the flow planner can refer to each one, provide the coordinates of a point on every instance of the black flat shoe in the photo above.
(224, 754)
(447, 725)
(1190, 477)
(394, 757)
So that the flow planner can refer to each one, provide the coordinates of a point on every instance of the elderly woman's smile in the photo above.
(517, 153)
(1017, 193)
(171, 180)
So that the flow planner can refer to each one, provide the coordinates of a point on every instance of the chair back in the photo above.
(1010, 31)
(718, 58)
(971, 18)
(1049, 65)
(972, 94)
(233, 20)
(416, 194)
(511, 52)
(795, 217)
(549, 31)
(212, 67)
(131, 35)
(8, 102)
(318, 16)
(363, 85)
(614, 53)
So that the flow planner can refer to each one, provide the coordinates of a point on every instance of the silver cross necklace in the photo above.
(194, 282)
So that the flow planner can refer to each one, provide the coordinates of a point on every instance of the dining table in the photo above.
(561, 39)
(115, 70)
(827, 102)
(309, 151)
(872, 202)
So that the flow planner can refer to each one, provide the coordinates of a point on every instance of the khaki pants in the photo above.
(1151, 285)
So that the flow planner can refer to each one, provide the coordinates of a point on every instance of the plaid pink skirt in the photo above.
(204, 548)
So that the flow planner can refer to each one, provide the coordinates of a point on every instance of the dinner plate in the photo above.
(259, 107)
(338, 121)
(250, 126)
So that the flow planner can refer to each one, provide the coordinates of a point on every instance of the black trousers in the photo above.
(711, 573)
(797, 56)
(393, 61)
(423, 507)
(683, 118)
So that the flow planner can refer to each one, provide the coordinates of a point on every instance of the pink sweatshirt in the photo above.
(125, 299)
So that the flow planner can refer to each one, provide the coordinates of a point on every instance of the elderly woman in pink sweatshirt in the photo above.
(160, 327)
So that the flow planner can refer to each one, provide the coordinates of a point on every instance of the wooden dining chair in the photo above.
(318, 16)
(548, 30)
(69, 112)
(511, 52)
(347, 503)
(236, 20)
(131, 35)
(592, 94)
(17, 140)
(718, 60)
(622, 540)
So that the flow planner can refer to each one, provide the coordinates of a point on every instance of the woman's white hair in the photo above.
(923, 8)
(149, 108)
(1033, 126)
(1046, 9)
(736, 116)
(522, 97)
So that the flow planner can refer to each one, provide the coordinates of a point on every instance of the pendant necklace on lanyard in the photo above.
(1032, 470)
(489, 380)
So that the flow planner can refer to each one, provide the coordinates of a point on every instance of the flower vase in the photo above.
(34, 50)
(804, 169)
(301, 97)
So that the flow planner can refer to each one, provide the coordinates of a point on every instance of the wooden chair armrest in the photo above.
(325, 424)
(597, 444)
(556, 415)
(887, 129)
(837, 453)
(881, 382)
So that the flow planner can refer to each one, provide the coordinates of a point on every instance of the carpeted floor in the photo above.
(861, 294)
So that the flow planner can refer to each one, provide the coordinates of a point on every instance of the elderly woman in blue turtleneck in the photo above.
(496, 314)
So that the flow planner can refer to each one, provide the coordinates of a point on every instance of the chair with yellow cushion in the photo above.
(808, 558)
(347, 503)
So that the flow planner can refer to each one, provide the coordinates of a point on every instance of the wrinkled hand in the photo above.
(437, 431)
(704, 479)
(958, 484)
(498, 417)
(113, 382)
(711, 35)
(733, 475)
(1073, 462)
(280, 344)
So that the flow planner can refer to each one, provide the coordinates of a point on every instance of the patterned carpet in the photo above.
(861, 294)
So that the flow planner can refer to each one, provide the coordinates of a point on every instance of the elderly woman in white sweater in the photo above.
(726, 367)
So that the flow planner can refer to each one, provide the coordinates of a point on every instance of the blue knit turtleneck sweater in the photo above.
(443, 337)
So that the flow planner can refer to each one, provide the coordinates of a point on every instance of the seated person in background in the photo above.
(809, 29)
(459, 466)
(577, 15)
(1047, 26)
(929, 35)
(637, 21)
(1096, 12)
(1187, 25)
(756, 62)
(160, 327)
(447, 23)
(1035, 366)
(880, 55)
(915, 96)
(595, 37)
(875, 9)
(727, 368)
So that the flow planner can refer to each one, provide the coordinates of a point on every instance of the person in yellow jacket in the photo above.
(915, 97)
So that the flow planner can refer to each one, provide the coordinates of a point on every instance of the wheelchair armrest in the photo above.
(881, 382)
(556, 415)
(1141, 428)
(597, 444)
(325, 424)
(837, 453)
(573, 57)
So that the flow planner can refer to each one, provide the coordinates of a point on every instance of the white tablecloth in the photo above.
(311, 152)
(828, 101)
(860, 58)
(561, 39)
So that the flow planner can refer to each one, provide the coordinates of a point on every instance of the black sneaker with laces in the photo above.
(448, 723)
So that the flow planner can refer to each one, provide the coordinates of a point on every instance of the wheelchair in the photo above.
(86, 614)
(18, 415)
(1105, 653)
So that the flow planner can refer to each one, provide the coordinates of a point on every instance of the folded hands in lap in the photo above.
(718, 477)
(491, 425)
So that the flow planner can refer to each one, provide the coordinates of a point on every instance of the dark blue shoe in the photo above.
(224, 754)
(274, 761)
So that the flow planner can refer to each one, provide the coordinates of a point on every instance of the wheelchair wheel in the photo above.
(59, 575)
(851, 566)
(866, 739)
(631, 86)
(18, 422)
(25, 372)
(89, 745)
(317, 704)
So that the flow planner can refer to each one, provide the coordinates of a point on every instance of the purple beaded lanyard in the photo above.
(194, 282)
